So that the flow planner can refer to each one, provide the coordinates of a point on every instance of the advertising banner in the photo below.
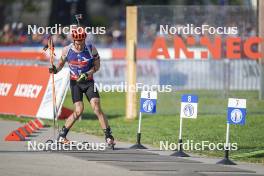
(26, 90)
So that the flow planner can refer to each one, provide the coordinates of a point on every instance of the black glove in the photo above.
(53, 69)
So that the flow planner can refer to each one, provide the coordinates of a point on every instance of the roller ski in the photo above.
(109, 139)
(61, 139)
(64, 141)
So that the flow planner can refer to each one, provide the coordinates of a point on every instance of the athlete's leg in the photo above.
(78, 110)
(77, 97)
(95, 103)
(94, 99)
(70, 121)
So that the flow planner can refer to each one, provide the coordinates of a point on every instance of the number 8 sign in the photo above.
(189, 105)
(189, 99)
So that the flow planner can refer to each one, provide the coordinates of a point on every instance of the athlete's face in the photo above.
(79, 44)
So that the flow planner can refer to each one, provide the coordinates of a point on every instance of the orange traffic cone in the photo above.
(28, 128)
(39, 123)
(23, 131)
(14, 136)
(35, 128)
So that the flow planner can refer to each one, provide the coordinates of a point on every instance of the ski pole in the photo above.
(78, 17)
(51, 49)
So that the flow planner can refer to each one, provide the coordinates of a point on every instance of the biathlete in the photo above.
(83, 61)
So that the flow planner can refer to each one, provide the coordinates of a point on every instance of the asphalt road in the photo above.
(17, 159)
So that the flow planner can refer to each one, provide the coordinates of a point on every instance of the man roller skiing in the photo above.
(83, 61)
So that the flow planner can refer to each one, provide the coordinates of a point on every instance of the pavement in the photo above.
(17, 159)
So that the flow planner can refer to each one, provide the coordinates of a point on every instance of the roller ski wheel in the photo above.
(49, 141)
(110, 143)
(86, 143)
(64, 141)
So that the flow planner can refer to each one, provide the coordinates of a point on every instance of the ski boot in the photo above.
(109, 139)
(62, 136)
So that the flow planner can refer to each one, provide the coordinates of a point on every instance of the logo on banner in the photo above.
(5, 88)
(236, 112)
(28, 90)
(148, 102)
(189, 105)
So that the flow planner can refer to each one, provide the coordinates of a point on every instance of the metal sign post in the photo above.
(148, 103)
(236, 114)
(189, 106)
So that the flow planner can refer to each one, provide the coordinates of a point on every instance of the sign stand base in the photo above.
(226, 160)
(180, 152)
(138, 145)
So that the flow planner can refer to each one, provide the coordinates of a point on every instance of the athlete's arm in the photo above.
(55, 69)
(62, 59)
(96, 65)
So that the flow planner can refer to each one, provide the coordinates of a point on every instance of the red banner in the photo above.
(22, 89)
